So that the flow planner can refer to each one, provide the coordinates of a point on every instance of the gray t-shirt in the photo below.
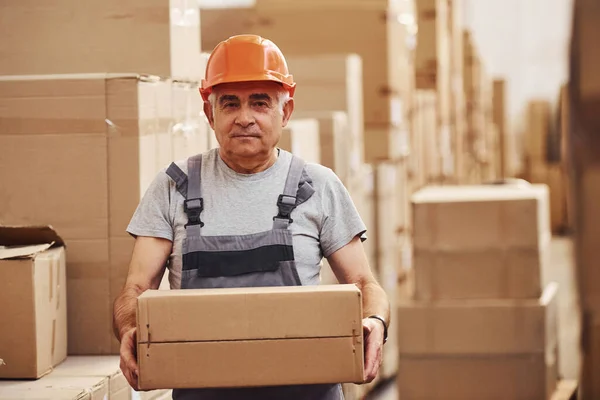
(240, 204)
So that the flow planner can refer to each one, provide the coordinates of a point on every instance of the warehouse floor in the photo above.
(561, 253)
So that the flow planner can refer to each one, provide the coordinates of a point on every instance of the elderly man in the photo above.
(248, 214)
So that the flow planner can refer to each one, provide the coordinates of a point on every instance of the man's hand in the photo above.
(373, 333)
(128, 352)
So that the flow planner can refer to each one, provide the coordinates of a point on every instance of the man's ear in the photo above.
(208, 111)
(288, 109)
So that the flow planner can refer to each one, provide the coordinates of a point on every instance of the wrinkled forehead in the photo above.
(246, 89)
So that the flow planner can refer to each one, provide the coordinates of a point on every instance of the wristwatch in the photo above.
(385, 328)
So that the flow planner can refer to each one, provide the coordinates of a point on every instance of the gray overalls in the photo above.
(259, 259)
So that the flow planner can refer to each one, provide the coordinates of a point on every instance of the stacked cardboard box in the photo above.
(482, 315)
(432, 69)
(386, 52)
(33, 338)
(485, 350)
(161, 37)
(93, 143)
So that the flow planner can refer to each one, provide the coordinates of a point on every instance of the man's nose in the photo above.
(245, 116)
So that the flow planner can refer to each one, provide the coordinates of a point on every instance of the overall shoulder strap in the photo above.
(296, 191)
(194, 203)
(179, 177)
(306, 190)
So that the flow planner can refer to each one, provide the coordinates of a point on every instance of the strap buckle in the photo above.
(286, 204)
(193, 208)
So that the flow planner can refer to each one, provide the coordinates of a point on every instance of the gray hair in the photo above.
(283, 96)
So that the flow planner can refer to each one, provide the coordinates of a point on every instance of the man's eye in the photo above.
(230, 105)
(261, 104)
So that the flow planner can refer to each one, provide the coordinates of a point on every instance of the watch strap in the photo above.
(385, 327)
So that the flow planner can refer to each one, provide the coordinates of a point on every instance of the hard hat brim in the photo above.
(287, 82)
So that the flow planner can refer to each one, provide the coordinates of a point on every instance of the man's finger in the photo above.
(373, 355)
(369, 356)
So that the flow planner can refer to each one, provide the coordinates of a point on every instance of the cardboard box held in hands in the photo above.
(250, 337)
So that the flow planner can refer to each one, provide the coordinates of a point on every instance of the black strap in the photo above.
(179, 177)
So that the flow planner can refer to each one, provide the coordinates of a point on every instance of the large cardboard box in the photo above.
(479, 327)
(57, 388)
(33, 338)
(484, 349)
(92, 144)
(480, 274)
(301, 137)
(257, 337)
(158, 37)
(480, 241)
(515, 377)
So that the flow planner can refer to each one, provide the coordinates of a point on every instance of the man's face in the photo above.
(247, 118)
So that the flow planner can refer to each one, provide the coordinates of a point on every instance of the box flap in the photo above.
(7, 253)
(249, 313)
(11, 236)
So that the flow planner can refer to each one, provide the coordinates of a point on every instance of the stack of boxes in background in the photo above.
(482, 322)
(432, 74)
(91, 124)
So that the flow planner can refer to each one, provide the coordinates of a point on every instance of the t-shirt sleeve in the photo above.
(151, 218)
(341, 221)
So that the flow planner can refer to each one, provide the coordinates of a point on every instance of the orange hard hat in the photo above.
(246, 58)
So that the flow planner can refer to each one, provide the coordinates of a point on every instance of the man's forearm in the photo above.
(124, 311)
(375, 301)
